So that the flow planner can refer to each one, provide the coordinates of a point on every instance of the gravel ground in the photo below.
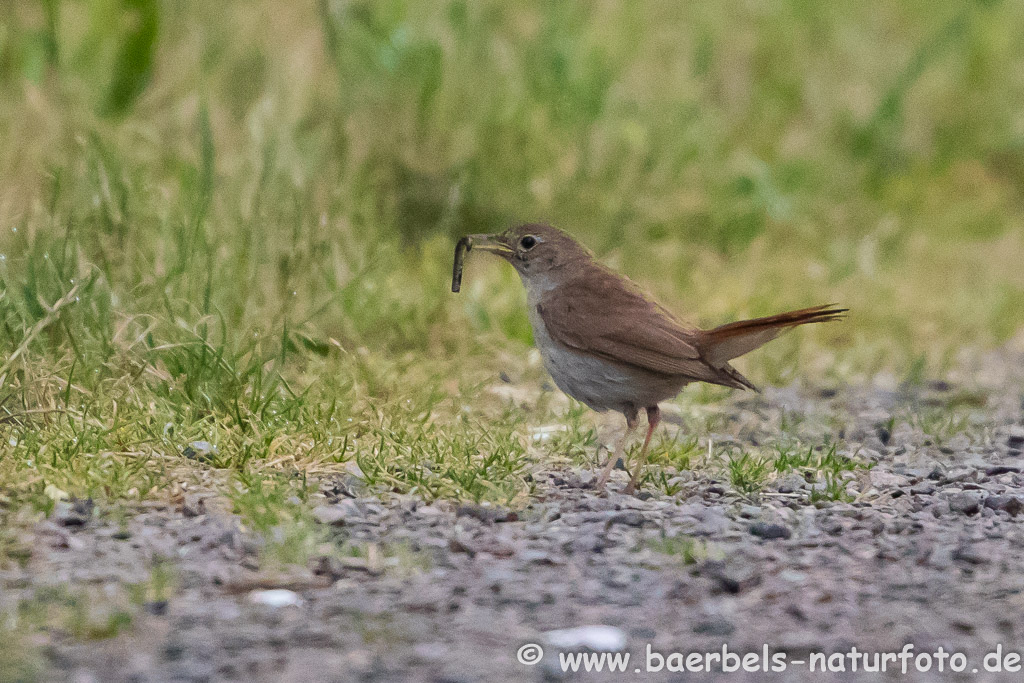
(928, 551)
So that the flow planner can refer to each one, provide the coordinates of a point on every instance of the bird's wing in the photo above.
(609, 318)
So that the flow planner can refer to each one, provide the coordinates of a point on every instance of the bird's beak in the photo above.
(495, 244)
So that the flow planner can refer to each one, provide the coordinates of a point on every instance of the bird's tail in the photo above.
(735, 339)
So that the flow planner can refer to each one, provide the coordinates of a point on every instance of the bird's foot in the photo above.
(606, 473)
(631, 487)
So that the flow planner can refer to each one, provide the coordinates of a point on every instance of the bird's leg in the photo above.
(653, 418)
(632, 420)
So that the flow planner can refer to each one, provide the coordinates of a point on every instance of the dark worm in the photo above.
(461, 249)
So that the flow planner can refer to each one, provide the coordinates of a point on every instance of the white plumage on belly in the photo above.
(600, 384)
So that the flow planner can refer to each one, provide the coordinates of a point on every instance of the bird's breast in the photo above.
(599, 383)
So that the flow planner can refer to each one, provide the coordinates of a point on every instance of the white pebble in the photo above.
(598, 638)
(276, 597)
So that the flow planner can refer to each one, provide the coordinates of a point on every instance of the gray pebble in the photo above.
(965, 502)
(970, 554)
(1012, 505)
(329, 514)
(486, 513)
(769, 531)
(76, 512)
(1015, 437)
(626, 518)
(790, 483)
(714, 626)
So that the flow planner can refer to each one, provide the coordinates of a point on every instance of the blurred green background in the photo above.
(239, 188)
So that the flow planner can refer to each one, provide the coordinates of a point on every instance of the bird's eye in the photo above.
(528, 242)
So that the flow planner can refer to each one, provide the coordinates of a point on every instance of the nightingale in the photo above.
(609, 345)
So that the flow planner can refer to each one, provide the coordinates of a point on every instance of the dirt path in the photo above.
(927, 551)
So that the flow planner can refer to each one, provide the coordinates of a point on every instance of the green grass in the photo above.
(747, 473)
(217, 228)
(75, 613)
(233, 222)
(686, 549)
(824, 459)
(834, 490)
(750, 471)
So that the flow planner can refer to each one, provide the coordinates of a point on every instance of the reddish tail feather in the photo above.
(724, 343)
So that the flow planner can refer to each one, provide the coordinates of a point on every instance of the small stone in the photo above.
(364, 508)
(958, 474)
(715, 626)
(684, 477)
(769, 531)
(327, 565)
(598, 638)
(498, 547)
(941, 557)
(727, 580)
(884, 434)
(626, 518)
(750, 511)
(1015, 437)
(489, 514)
(965, 502)
(192, 505)
(275, 597)
(882, 479)
(931, 471)
(156, 607)
(458, 545)
(329, 514)
(996, 470)
(353, 510)
(203, 451)
(74, 512)
(712, 521)
(792, 576)
(495, 546)
(970, 554)
(429, 511)
(791, 483)
(924, 488)
(832, 526)
(586, 543)
(1012, 505)
(539, 557)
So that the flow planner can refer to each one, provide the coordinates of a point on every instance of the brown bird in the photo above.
(609, 345)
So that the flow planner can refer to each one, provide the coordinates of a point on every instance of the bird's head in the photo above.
(540, 253)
